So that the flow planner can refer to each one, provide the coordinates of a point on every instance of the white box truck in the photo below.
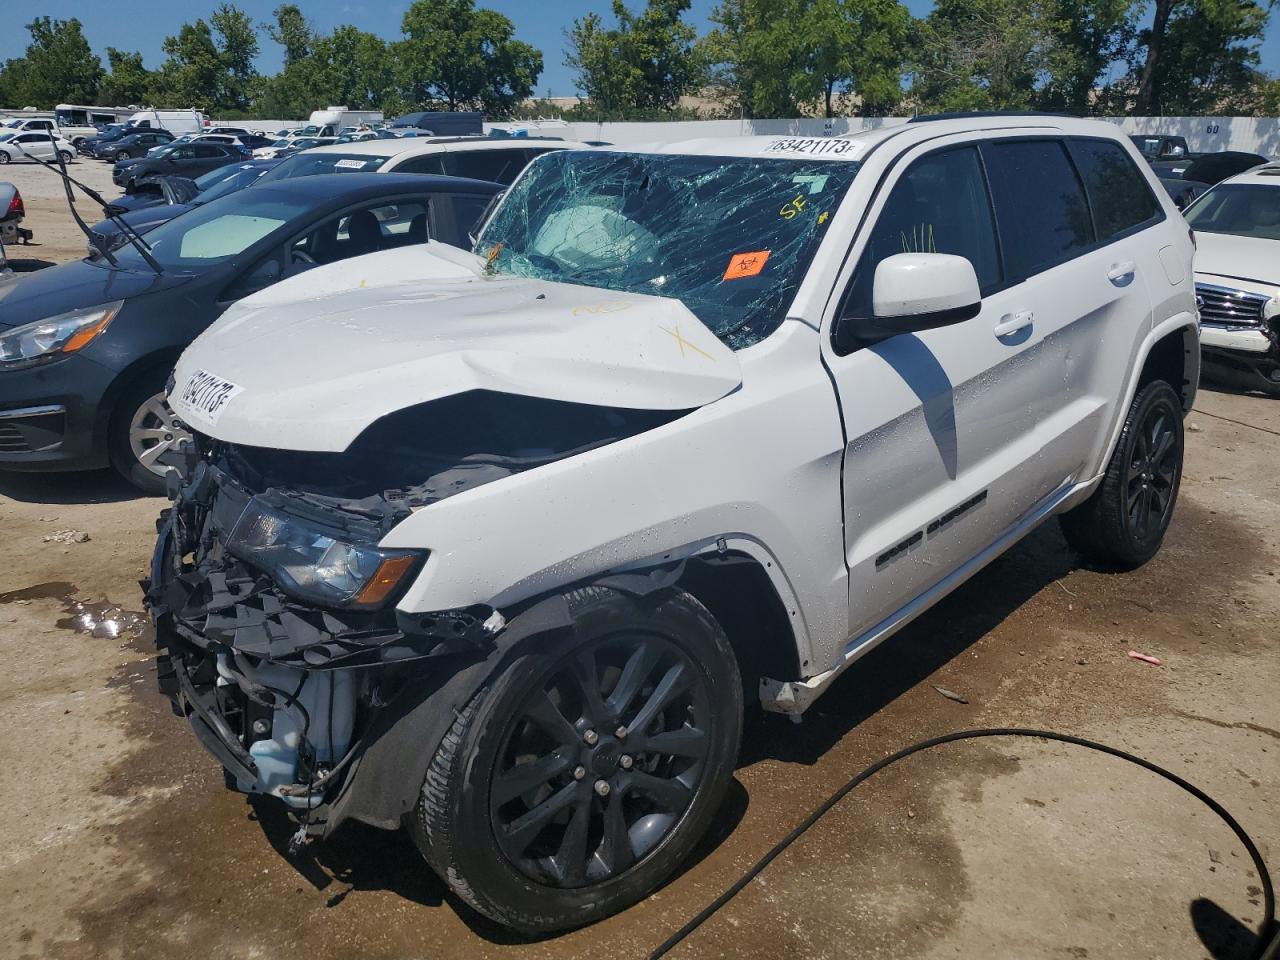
(176, 122)
(330, 121)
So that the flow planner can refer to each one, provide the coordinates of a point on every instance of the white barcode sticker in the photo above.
(348, 164)
(208, 394)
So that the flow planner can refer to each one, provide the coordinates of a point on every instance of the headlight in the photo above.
(1271, 309)
(311, 563)
(57, 336)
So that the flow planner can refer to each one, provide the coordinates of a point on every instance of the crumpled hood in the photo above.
(316, 359)
(1241, 258)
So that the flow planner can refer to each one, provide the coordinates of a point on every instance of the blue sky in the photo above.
(143, 24)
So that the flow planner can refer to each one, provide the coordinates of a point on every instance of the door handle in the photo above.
(1121, 273)
(1013, 322)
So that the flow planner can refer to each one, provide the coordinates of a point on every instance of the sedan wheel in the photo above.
(156, 435)
(122, 155)
(146, 438)
(4, 157)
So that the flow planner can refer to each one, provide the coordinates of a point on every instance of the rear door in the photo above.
(1088, 294)
(38, 145)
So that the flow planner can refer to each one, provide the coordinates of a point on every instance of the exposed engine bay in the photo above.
(274, 606)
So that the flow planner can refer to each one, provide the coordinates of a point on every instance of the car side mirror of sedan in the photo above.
(921, 291)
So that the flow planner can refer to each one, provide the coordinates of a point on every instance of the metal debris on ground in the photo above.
(950, 694)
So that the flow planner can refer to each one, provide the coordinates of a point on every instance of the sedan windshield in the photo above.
(1243, 209)
(218, 230)
(730, 237)
(309, 164)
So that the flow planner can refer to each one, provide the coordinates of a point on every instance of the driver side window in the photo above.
(939, 205)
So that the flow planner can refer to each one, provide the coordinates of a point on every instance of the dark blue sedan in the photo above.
(86, 348)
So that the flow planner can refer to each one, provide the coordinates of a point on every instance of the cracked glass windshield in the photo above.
(730, 237)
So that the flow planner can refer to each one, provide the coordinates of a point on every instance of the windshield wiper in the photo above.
(143, 248)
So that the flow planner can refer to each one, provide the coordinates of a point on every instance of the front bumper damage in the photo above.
(287, 696)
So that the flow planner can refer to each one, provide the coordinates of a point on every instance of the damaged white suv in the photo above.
(496, 545)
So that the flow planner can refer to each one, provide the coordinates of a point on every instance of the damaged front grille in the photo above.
(211, 599)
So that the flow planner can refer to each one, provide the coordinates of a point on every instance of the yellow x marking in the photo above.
(684, 343)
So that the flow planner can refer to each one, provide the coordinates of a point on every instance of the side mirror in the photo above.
(921, 291)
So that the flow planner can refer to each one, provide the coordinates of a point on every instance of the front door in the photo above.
(939, 462)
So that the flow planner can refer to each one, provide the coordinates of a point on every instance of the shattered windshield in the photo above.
(730, 237)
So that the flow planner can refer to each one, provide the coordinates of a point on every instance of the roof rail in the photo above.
(966, 114)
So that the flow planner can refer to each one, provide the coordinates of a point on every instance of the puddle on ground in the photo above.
(102, 619)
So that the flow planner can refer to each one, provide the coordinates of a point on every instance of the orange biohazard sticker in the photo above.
(746, 264)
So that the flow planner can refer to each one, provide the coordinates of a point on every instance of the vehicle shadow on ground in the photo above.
(914, 653)
(95, 486)
(362, 858)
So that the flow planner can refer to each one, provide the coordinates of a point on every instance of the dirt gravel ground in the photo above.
(120, 840)
(57, 238)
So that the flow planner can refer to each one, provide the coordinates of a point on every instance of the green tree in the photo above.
(981, 55)
(645, 63)
(459, 56)
(210, 65)
(128, 82)
(1198, 55)
(192, 73)
(292, 32)
(59, 67)
(1083, 39)
(237, 42)
(783, 57)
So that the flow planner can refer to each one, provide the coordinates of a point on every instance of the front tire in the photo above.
(579, 777)
(4, 158)
(144, 438)
(1123, 522)
(123, 155)
(66, 157)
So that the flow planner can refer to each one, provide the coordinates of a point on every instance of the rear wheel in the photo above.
(1123, 523)
(145, 438)
(581, 776)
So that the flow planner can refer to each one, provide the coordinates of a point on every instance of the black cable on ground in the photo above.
(1268, 934)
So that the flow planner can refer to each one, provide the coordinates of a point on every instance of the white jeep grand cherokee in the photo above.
(496, 545)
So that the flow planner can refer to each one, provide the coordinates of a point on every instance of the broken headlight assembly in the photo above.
(54, 337)
(314, 563)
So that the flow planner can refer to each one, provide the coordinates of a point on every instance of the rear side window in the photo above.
(497, 166)
(1040, 205)
(208, 150)
(432, 163)
(939, 205)
(1118, 193)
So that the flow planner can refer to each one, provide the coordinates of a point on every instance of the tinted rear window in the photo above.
(1040, 205)
(1118, 193)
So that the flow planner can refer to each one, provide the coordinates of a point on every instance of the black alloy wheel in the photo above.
(1123, 522)
(578, 801)
(1152, 473)
(585, 770)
